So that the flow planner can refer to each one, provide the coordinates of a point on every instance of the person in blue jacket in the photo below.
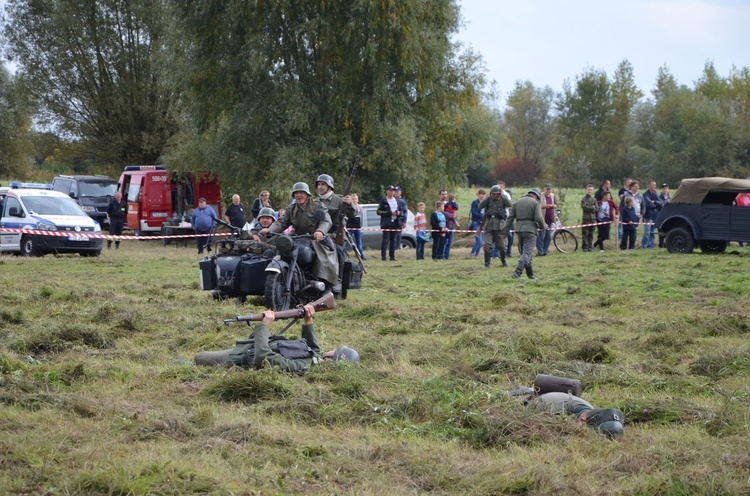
(203, 220)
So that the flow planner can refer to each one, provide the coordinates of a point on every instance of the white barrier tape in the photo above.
(105, 236)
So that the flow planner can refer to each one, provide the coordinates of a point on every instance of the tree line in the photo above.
(266, 93)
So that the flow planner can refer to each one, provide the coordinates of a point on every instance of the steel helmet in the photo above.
(325, 178)
(536, 192)
(495, 190)
(266, 212)
(345, 353)
(608, 421)
(301, 187)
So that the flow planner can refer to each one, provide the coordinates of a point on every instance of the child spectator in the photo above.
(450, 209)
(629, 221)
(607, 214)
(439, 231)
(420, 227)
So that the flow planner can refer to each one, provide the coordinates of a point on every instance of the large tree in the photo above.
(91, 65)
(282, 91)
(528, 122)
(15, 122)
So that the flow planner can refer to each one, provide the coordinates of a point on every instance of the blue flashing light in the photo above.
(144, 167)
(19, 185)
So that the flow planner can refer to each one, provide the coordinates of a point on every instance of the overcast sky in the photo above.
(549, 41)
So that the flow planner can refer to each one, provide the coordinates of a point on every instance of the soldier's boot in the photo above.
(502, 260)
(487, 258)
(519, 271)
(530, 271)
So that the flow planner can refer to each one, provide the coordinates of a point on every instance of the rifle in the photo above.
(325, 302)
(341, 225)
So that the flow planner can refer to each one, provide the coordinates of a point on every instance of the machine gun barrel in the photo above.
(325, 302)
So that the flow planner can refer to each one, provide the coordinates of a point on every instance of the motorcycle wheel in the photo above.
(276, 298)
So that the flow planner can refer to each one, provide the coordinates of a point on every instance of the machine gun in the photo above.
(325, 302)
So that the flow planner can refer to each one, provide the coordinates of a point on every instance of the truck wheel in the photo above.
(28, 247)
(679, 240)
(713, 246)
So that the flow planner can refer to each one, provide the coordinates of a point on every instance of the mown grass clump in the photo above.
(250, 386)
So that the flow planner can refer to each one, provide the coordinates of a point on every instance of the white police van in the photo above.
(32, 206)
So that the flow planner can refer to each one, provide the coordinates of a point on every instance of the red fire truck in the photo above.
(157, 196)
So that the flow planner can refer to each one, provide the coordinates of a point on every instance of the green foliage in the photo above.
(297, 88)
(15, 123)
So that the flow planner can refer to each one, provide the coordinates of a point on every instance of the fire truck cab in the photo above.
(157, 196)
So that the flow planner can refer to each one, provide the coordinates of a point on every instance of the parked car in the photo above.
(702, 212)
(30, 208)
(93, 194)
(372, 236)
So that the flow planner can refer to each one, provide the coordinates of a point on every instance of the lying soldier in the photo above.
(263, 349)
(608, 421)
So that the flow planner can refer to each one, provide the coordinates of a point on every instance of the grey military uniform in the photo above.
(493, 223)
(335, 204)
(527, 212)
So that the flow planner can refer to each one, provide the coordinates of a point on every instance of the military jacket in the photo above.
(589, 207)
(313, 217)
(494, 212)
(527, 212)
(335, 203)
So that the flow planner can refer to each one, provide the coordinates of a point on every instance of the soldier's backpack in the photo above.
(243, 353)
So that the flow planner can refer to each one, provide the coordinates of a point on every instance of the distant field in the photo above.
(96, 397)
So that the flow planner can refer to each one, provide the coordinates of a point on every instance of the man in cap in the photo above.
(390, 214)
(495, 213)
(203, 221)
(272, 352)
(310, 216)
(527, 214)
(335, 203)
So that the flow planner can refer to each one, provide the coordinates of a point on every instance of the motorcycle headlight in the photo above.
(46, 227)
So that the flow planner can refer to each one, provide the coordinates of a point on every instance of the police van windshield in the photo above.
(97, 188)
(45, 205)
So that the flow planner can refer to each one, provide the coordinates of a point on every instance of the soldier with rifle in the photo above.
(339, 206)
(263, 349)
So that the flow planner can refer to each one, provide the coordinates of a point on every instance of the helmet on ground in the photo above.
(325, 178)
(495, 190)
(345, 353)
(608, 421)
(301, 187)
(536, 192)
(266, 212)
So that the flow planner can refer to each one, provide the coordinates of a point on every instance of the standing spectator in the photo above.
(625, 188)
(420, 227)
(638, 204)
(203, 221)
(665, 198)
(604, 187)
(117, 210)
(590, 208)
(549, 206)
(389, 223)
(354, 225)
(527, 211)
(506, 194)
(652, 206)
(629, 221)
(605, 216)
(495, 215)
(404, 209)
(235, 213)
(438, 224)
(511, 236)
(261, 202)
(477, 215)
(450, 211)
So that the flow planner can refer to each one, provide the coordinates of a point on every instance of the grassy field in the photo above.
(96, 397)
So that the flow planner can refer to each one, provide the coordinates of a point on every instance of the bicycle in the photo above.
(563, 238)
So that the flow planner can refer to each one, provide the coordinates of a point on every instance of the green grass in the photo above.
(95, 400)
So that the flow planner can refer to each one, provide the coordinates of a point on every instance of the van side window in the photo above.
(133, 191)
(12, 203)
